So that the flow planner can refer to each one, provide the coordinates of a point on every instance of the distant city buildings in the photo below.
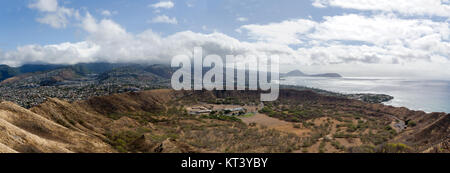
(31, 91)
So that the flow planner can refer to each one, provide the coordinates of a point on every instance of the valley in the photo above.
(157, 121)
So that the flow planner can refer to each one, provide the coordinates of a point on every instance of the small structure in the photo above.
(235, 109)
(400, 126)
(199, 110)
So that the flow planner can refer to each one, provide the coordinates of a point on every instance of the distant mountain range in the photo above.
(81, 69)
(298, 73)
(8, 72)
(164, 71)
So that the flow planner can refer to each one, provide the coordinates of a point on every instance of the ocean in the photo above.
(415, 94)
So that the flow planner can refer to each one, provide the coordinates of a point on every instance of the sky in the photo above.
(384, 38)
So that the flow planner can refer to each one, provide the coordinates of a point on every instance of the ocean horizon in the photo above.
(414, 94)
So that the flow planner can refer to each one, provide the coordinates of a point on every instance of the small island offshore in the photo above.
(366, 97)
(298, 73)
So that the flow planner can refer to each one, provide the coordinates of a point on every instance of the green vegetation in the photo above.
(246, 115)
(395, 148)
(412, 124)
(383, 135)
(222, 118)
(322, 147)
(226, 101)
(362, 149)
(266, 110)
(344, 135)
(153, 117)
(122, 141)
(338, 145)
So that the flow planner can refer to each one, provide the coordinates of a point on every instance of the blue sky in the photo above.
(19, 25)
(374, 37)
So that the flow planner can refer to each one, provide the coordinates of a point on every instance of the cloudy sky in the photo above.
(352, 37)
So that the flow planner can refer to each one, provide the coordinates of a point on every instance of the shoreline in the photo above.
(358, 96)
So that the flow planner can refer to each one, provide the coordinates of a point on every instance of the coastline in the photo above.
(366, 97)
(415, 94)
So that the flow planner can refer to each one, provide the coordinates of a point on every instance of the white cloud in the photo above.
(285, 32)
(163, 4)
(45, 5)
(405, 7)
(108, 41)
(53, 15)
(58, 19)
(189, 4)
(319, 3)
(357, 39)
(107, 13)
(164, 19)
(386, 41)
(242, 19)
(64, 53)
(379, 30)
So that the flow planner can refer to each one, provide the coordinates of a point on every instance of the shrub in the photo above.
(412, 124)
(344, 135)
(322, 147)
(121, 141)
(266, 109)
(222, 118)
(337, 145)
(305, 150)
(362, 149)
(395, 148)
(352, 128)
